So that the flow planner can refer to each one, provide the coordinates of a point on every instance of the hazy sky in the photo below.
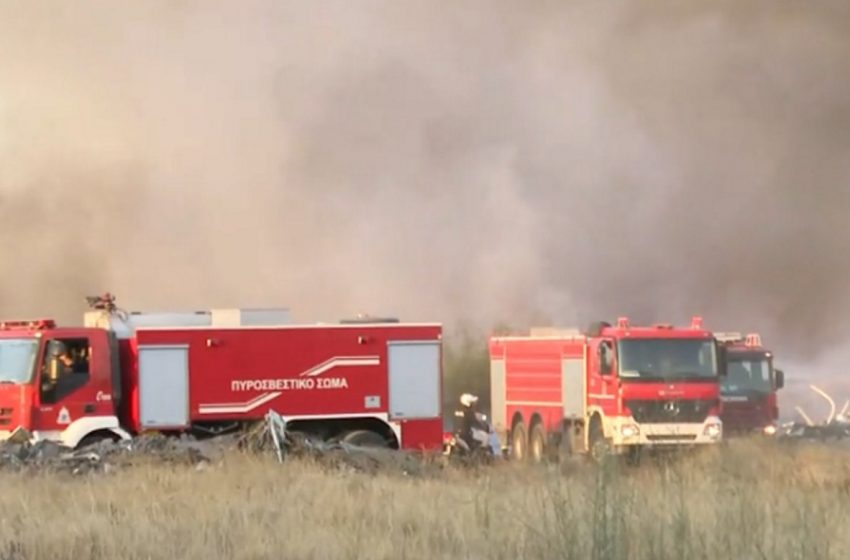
(485, 161)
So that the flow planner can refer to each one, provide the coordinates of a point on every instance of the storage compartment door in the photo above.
(572, 387)
(164, 386)
(498, 395)
(414, 379)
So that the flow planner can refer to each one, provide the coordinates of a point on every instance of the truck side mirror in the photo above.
(780, 378)
(606, 358)
(722, 364)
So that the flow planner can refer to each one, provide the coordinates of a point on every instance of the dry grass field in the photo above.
(749, 501)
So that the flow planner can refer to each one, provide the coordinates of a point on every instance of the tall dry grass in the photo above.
(747, 501)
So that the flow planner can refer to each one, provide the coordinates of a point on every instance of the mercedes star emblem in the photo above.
(671, 408)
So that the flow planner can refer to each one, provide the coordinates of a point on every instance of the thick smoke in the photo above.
(484, 161)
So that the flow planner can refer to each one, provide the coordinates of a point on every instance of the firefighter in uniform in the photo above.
(471, 421)
(58, 364)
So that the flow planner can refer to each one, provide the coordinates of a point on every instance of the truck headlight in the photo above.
(770, 430)
(630, 430)
(713, 430)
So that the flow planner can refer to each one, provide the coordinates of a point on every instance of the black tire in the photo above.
(365, 438)
(537, 443)
(599, 446)
(595, 329)
(301, 438)
(634, 456)
(95, 438)
(482, 456)
(566, 447)
(519, 442)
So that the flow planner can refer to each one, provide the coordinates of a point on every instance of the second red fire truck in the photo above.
(613, 389)
(749, 391)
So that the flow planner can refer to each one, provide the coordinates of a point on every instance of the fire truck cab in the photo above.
(749, 391)
(58, 383)
(613, 389)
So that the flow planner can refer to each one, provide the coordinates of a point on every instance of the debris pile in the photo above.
(834, 430)
(835, 427)
(104, 456)
(273, 436)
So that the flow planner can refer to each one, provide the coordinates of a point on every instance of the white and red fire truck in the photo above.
(749, 390)
(368, 382)
(613, 389)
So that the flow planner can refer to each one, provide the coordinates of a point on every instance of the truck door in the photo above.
(66, 388)
(602, 376)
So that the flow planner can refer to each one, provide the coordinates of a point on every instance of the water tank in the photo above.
(218, 318)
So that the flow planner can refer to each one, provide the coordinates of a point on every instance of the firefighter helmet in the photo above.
(56, 348)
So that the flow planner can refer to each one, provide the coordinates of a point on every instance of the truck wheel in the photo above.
(634, 455)
(599, 448)
(566, 448)
(537, 443)
(97, 437)
(364, 438)
(518, 442)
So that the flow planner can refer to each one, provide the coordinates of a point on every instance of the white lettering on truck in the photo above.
(289, 384)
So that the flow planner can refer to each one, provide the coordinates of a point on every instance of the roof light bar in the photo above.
(33, 324)
(728, 336)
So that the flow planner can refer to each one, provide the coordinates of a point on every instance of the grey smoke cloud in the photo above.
(488, 161)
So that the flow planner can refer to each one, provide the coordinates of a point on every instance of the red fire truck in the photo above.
(613, 389)
(368, 382)
(749, 391)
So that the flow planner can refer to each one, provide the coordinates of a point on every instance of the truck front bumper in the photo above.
(627, 432)
(766, 430)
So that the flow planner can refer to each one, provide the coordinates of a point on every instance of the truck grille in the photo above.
(671, 437)
(746, 415)
(669, 411)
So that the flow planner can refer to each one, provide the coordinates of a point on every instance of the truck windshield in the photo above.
(17, 359)
(667, 359)
(746, 375)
